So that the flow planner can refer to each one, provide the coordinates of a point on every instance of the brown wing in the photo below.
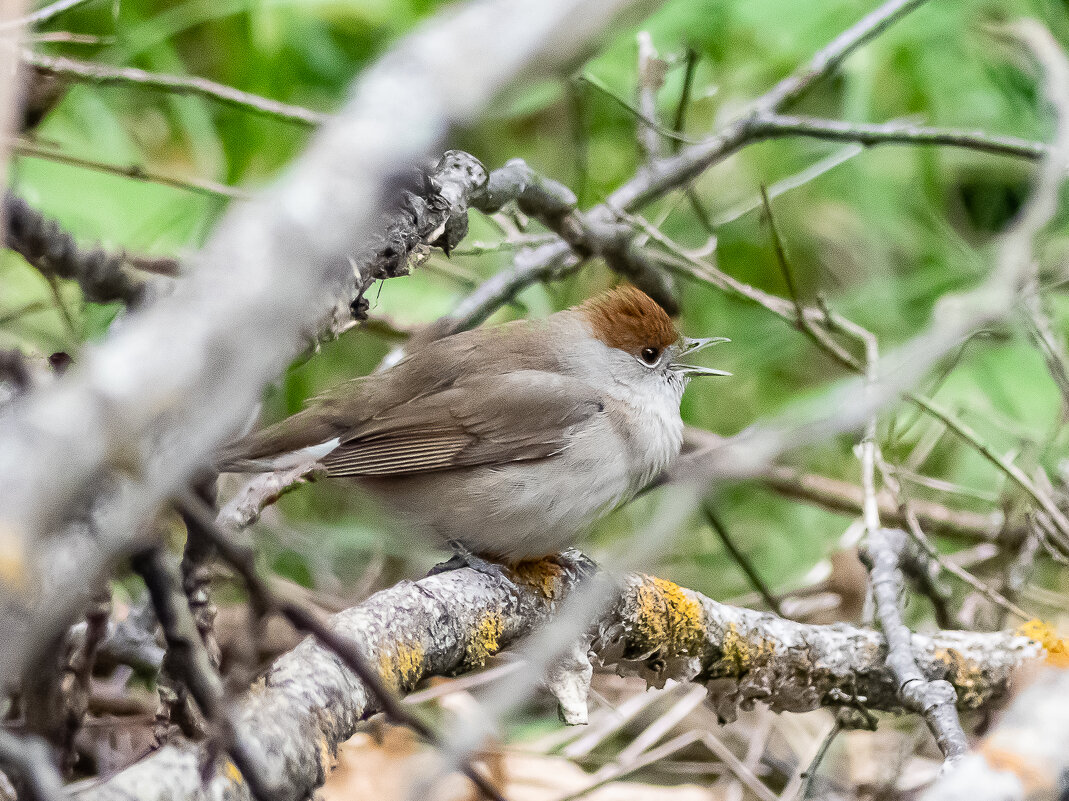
(360, 405)
(527, 414)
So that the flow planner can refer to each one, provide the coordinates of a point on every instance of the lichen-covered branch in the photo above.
(308, 702)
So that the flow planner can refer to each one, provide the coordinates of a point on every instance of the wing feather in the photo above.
(523, 415)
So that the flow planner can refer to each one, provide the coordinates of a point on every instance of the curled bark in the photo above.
(308, 702)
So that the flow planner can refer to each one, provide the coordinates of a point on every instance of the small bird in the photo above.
(507, 442)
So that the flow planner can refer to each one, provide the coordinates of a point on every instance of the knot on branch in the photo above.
(424, 209)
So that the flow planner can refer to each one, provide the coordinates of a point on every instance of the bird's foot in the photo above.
(463, 557)
(576, 566)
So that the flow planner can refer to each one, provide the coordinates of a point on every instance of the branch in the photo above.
(9, 88)
(450, 623)
(188, 661)
(42, 15)
(651, 71)
(105, 75)
(842, 496)
(762, 122)
(690, 162)
(183, 375)
(134, 172)
(433, 212)
(30, 759)
(1024, 756)
(872, 134)
(45, 245)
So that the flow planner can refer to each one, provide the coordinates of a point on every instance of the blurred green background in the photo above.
(882, 235)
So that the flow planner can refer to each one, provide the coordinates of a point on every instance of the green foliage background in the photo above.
(883, 236)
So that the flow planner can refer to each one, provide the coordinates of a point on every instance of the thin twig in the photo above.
(638, 114)
(135, 172)
(650, 80)
(743, 561)
(963, 430)
(42, 15)
(692, 161)
(873, 134)
(935, 700)
(188, 661)
(106, 75)
(810, 773)
(913, 526)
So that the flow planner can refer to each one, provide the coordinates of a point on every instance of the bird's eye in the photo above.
(650, 355)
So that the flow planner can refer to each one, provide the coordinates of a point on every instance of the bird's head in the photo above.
(642, 345)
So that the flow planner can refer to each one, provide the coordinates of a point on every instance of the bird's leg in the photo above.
(463, 557)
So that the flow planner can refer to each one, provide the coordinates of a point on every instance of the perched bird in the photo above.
(508, 441)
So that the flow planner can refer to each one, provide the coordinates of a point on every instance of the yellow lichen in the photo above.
(740, 654)
(485, 640)
(1057, 648)
(231, 771)
(402, 666)
(966, 675)
(737, 652)
(667, 619)
(542, 575)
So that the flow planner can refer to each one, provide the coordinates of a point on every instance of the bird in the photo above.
(506, 442)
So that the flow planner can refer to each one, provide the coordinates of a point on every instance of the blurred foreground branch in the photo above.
(308, 702)
(141, 412)
(1024, 756)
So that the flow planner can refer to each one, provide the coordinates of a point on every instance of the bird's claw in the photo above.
(576, 564)
(463, 557)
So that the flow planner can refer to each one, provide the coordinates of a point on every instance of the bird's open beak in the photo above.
(693, 346)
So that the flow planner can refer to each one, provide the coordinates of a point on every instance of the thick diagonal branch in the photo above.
(147, 406)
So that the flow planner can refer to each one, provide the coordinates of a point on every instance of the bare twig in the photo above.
(936, 700)
(1023, 757)
(873, 134)
(743, 561)
(651, 71)
(692, 161)
(810, 774)
(1041, 498)
(134, 172)
(915, 529)
(842, 496)
(106, 75)
(188, 660)
(42, 15)
(10, 19)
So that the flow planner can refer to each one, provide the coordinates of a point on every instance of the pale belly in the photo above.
(526, 510)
